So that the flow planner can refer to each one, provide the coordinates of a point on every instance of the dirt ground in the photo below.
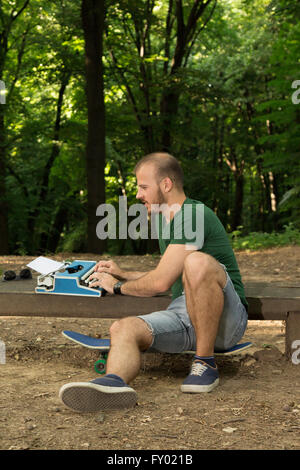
(256, 406)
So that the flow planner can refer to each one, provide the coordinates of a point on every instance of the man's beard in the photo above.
(158, 200)
(160, 197)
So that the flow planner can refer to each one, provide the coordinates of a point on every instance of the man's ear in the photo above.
(167, 184)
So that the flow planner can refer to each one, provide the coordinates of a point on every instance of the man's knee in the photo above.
(122, 326)
(196, 266)
(132, 328)
(115, 327)
(199, 267)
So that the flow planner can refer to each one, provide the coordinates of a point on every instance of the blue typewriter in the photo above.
(71, 279)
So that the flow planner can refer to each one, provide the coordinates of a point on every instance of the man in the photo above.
(208, 311)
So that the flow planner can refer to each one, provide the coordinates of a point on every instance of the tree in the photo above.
(281, 111)
(155, 40)
(45, 174)
(93, 24)
(8, 19)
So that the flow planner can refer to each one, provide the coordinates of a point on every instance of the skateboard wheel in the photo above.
(100, 366)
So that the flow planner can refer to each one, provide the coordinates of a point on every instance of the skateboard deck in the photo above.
(103, 346)
(88, 341)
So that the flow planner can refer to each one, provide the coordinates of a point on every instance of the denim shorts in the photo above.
(173, 332)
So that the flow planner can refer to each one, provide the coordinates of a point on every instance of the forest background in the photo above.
(88, 87)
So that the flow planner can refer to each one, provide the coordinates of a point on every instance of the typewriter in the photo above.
(71, 279)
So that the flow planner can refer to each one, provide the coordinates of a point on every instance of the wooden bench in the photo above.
(266, 302)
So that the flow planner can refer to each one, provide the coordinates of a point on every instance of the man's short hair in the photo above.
(166, 166)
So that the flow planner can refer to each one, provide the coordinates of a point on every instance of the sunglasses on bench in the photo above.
(11, 275)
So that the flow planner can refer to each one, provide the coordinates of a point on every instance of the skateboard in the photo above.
(103, 346)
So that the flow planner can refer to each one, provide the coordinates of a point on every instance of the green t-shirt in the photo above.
(196, 224)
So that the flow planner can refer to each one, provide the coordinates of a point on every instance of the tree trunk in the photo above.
(238, 203)
(187, 31)
(237, 167)
(93, 24)
(38, 240)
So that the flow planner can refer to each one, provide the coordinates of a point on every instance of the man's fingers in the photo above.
(92, 277)
(102, 265)
(102, 269)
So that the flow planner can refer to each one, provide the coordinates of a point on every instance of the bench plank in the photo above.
(44, 305)
(266, 302)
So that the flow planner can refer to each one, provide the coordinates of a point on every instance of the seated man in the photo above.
(208, 311)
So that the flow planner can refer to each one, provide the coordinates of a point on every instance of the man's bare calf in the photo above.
(129, 337)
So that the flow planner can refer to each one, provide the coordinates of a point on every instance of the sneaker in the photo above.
(108, 392)
(202, 378)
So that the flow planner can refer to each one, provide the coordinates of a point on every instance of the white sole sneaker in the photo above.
(199, 388)
(87, 397)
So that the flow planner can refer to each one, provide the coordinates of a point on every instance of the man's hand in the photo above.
(105, 280)
(109, 267)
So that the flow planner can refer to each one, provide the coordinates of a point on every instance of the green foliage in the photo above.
(261, 240)
(281, 111)
(235, 130)
(74, 240)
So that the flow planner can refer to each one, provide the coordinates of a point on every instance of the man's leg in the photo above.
(129, 336)
(204, 280)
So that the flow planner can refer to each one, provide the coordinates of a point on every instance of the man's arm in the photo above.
(133, 275)
(163, 276)
(154, 282)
